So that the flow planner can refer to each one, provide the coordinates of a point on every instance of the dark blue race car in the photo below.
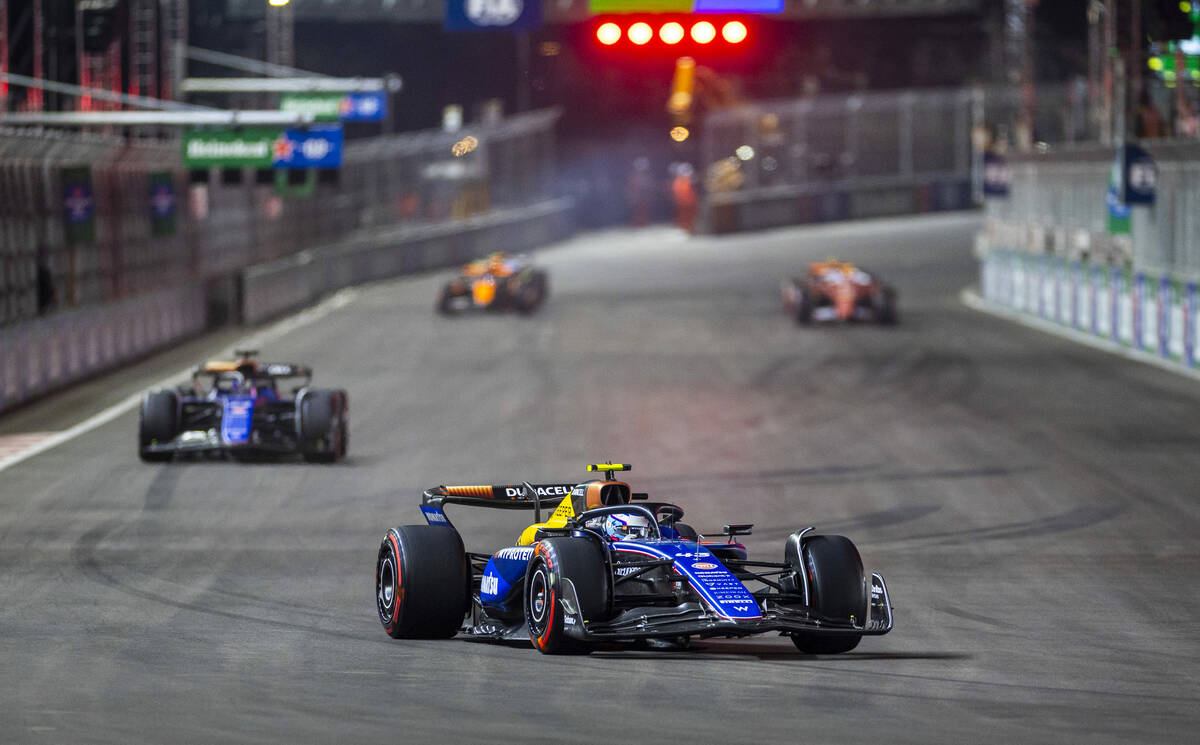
(610, 566)
(237, 408)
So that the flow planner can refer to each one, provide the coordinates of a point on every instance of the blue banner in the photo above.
(738, 6)
(1141, 176)
(315, 147)
(493, 15)
(363, 107)
(997, 176)
(1190, 306)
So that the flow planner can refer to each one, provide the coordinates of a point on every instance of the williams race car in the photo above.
(498, 282)
(236, 408)
(838, 290)
(610, 566)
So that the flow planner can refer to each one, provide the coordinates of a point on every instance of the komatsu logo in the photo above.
(489, 585)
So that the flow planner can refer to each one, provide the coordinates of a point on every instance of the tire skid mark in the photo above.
(84, 555)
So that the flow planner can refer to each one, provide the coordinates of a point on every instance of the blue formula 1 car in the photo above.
(610, 566)
(237, 408)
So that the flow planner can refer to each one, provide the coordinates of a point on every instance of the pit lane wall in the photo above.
(42, 355)
(1046, 252)
(270, 289)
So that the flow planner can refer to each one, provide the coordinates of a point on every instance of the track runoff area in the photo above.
(1031, 503)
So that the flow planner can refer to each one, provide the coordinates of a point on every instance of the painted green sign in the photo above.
(324, 107)
(230, 148)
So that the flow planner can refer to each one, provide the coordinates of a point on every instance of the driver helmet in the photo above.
(621, 526)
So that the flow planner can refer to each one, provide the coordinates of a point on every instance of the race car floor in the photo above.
(1032, 504)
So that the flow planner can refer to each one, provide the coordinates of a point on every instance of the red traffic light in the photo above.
(608, 33)
(640, 33)
(734, 32)
(671, 31)
(703, 32)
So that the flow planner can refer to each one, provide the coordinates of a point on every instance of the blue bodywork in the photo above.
(724, 592)
(238, 415)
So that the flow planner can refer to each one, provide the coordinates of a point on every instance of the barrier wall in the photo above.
(1151, 313)
(268, 290)
(39, 356)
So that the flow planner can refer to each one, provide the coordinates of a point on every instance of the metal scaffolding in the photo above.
(281, 35)
(173, 15)
(143, 48)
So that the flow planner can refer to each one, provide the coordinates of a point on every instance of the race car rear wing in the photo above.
(272, 369)
(500, 496)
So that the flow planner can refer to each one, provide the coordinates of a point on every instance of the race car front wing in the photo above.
(696, 618)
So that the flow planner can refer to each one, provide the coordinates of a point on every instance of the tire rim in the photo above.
(538, 600)
(385, 588)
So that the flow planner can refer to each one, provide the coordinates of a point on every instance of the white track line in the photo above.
(973, 300)
(282, 328)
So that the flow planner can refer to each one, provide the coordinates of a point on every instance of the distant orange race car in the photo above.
(839, 291)
(496, 282)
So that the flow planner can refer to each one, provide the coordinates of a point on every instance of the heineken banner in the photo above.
(230, 148)
(79, 205)
(315, 147)
(333, 107)
(162, 204)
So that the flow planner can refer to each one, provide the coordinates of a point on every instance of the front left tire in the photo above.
(422, 582)
(324, 425)
(158, 423)
(555, 560)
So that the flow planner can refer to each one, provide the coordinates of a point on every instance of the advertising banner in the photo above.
(1140, 320)
(79, 205)
(162, 204)
(314, 147)
(492, 15)
(246, 147)
(997, 176)
(1175, 312)
(1191, 328)
(369, 106)
(1102, 316)
(1123, 322)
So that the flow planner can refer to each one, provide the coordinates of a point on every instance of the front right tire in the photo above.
(839, 592)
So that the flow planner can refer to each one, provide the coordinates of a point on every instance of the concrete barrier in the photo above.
(269, 290)
(1149, 314)
(46, 354)
(792, 205)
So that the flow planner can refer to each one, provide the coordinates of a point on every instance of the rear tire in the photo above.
(839, 592)
(158, 424)
(804, 308)
(581, 560)
(887, 307)
(322, 414)
(531, 297)
(445, 301)
(421, 582)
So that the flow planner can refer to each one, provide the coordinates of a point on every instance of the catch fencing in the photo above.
(1048, 249)
(96, 219)
(852, 156)
(1057, 205)
(48, 353)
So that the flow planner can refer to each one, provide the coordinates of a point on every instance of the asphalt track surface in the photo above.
(1032, 503)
